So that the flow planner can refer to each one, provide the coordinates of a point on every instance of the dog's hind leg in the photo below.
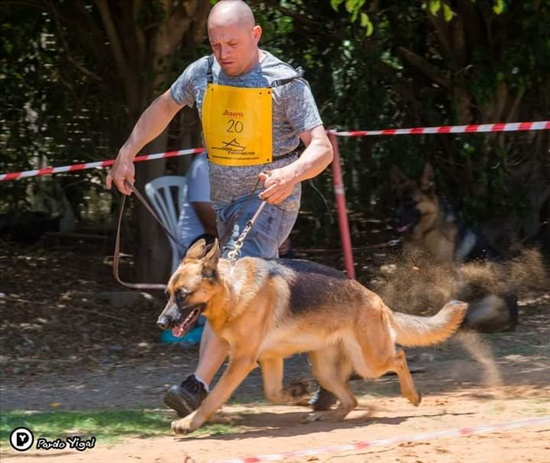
(332, 368)
(376, 360)
(408, 389)
(272, 376)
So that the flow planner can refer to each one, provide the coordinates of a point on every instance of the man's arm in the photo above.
(150, 125)
(318, 154)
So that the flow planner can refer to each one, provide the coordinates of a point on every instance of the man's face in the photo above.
(235, 47)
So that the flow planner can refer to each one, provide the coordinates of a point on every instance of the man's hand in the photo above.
(278, 184)
(122, 171)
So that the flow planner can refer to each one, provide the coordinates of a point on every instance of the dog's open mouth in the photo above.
(402, 228)
(187, 323)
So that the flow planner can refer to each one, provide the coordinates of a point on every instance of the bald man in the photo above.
(254, 109)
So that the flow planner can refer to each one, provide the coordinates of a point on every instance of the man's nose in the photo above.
(224, 51)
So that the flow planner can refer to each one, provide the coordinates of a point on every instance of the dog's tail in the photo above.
(414, 330)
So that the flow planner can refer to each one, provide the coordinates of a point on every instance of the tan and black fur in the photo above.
(268, 310)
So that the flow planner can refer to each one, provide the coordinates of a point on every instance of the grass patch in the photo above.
(104, 425)
(107, 426)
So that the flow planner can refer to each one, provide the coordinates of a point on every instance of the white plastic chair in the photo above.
(166, 194)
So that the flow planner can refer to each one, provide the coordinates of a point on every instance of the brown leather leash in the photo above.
(116, 255)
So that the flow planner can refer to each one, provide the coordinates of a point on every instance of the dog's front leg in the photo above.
(237, 370)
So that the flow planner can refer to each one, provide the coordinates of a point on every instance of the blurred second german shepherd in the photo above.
(432, 230)
(268, 310)
(429, 223)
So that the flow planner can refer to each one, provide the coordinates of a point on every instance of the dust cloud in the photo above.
(417, 285)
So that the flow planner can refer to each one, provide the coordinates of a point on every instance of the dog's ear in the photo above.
(211, 260)
(426, 180)
(196, 251)
(397, 176)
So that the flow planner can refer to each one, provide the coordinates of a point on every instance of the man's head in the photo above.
(234, 36)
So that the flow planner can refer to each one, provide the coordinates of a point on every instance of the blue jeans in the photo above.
(271, 228)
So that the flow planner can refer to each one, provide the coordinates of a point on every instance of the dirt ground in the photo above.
(71, 339)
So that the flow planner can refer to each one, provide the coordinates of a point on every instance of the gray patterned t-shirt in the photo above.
(294, 111)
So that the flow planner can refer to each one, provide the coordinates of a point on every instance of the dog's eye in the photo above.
(181, 294)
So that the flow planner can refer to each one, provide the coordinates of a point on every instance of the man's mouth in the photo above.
(184, 326)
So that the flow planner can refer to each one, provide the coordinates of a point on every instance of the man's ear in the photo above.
(257, 33)
(196, 251)
(211, 259)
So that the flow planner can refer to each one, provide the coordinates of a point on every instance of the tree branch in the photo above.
(424, 66)
(111, 31)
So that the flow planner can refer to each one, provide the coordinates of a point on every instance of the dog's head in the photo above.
(413, 197)
(190, 288)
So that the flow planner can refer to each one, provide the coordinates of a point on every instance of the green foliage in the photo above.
(435, 6)
(62, 105)
(499, 6)
(354, 8)
(53, 113)
(19, 127)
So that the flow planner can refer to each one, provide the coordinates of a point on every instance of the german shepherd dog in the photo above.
(268, 310)
(430, 224)
(431, 228)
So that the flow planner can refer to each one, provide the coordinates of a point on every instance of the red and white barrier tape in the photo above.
(502, 127)
(91, 165)
(461, 432)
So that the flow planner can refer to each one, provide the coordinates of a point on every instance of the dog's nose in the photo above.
(163, 322)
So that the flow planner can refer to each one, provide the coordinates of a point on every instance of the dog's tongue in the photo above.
(177, 331)
(181, 328)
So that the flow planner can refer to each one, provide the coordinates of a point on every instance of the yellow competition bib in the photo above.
(237, 125)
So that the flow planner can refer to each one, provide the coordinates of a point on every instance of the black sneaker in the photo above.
(187, 397)
(322, 400)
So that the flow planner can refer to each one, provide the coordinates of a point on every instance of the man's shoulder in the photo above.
(271, 65)
(198, 67)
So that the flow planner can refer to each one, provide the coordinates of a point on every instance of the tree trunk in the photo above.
(140, 50)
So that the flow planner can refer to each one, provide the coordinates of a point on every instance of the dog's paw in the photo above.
(313, 416)
(183, 426)
(416, 399)
(297, 389)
